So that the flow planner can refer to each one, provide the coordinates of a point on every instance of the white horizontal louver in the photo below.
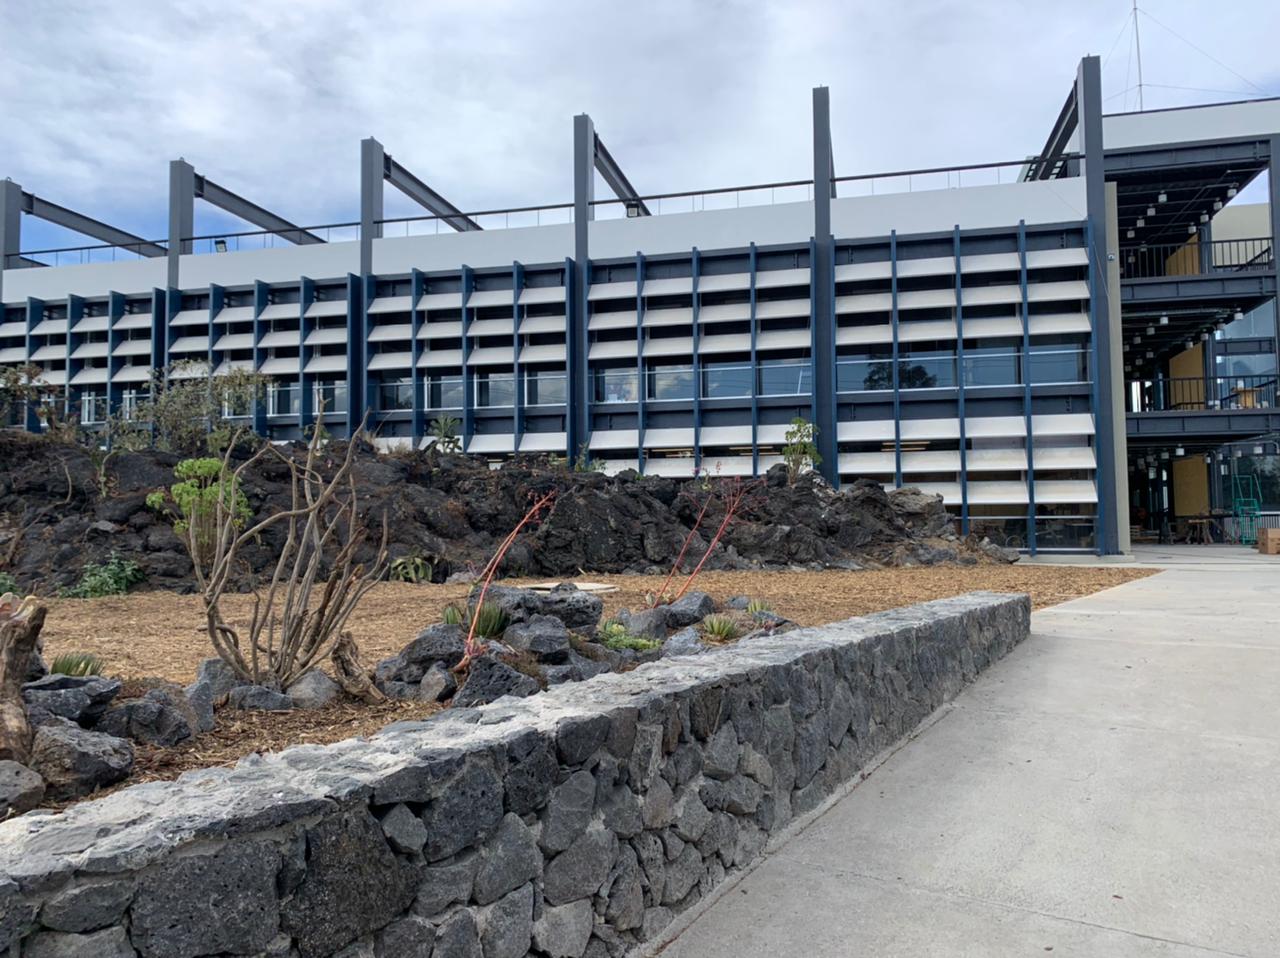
(1065, 491)
(671, 286)
(615, 439)
(14, 354)
(672, 466)
(132, 374)
(772, 278)
(863, 272)
(782, 309)
(724, 313)
(995, 427)
(441, 330)
(1059, 323)
(783, 339)
(1065, 457)
(190, 317)
(327, 307)
(1063, 424)
(50, 327)
(728, 465)
(866, 462)
(326, 364)
(276, 367)
(16, 329)
(617, 349)
(131, 347)
(865, 303)
(491, 297)
(991, 295)
(92, 376)
(990, 263)
(681, 316)
(997, 493)
(545, 353)
(491, 356)
(326, 337)
(281, 311)
(942, 460)
(930, 266)
(724, 283)
(390, 332)
(390, 304)
(926, 299)
(856, 335)
(918, 331)
(670, 346)
(45, 353)
(735, 343)
(542, 294)
(543, 442)
(545, 324)
(668, 438)
(996, 460)
(440, 358)
(917, 429)
(229, 366)
(1056, 292)
(598, 291)
(234, 341)
(726, 435)
(619, 320)
(133, 321)
(91, 351)
(233, 314)
(866, 430)
(1057, 258)
(391, 361)
(440, 301)
(282, 338)
(189, 344)
(501, 442)
(491, 327)
(54, 377)
(190, 370)
(992, 327)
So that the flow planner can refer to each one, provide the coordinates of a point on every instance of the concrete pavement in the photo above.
(1112, 788)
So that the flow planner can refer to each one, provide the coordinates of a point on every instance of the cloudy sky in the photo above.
(271, 98)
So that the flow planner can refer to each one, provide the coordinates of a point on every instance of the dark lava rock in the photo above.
(689, 609)
(20, 789)
(439, 644)
(74, 762)
(579, 611)
(161, 717)
(489, 680)
(259, 698)
(81, 698)
(543, 636)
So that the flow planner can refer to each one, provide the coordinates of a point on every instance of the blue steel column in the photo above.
(584, 150)
(822, 279)
(355, 353)
(813, 337)
(173, 304)
(115, 310)
(306, 394)
(893, 333)
(35, 313)
(158, 325)
(755, 371)
(372, 181)
(1273, 176)
(960, 413)
(75, 311)
(468, 379)
(182, 215)
(417, 286)
(641, 383)
(1026, 388)
(216, 300)
(260, 296)
(1089, 109)
(517, 391)
(696, 365)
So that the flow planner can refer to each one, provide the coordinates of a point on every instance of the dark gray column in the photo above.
(1273, 175)
(584, 140)
(182, 214)
(372, 169)
(1089, 109)
(823, 279)
(10, 226)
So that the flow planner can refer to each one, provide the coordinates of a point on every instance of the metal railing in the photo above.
(1206, 393)
(999, 173)
(79, 255)
(1172, 260)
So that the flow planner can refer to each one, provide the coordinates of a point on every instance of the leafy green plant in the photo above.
(412, 569)
(8, 584)
(204, 489)
(113, 577)
(720, 628)
(453, 614)
(614, 635)
(584, 463)
(490, 620)
(76, 664)
(801, 450)
(444, 429)
(758, 607)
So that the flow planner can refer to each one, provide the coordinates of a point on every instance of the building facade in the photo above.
(967, 339)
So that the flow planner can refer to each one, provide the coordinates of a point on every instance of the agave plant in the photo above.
(76, 664)
(720, 628)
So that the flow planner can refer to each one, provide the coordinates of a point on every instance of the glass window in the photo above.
(670, 382)
(284, 400)
(544, 389)
(1059, 366)
(91, 408)
(791, 377)
(1258, 323)
(495, 389)
(726, 380)
(129, 405)
(863, 375)
(991, 369)
(396, 396)
(616, 385)
(444, 392)
(926, 371)
(331, 397)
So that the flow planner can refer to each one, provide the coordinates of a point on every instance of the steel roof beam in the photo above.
(402, 179)
(86, 225)
(250, 212)
(1045, 166)
(612, 173)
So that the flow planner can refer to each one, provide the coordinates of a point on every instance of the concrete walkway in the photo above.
(1110, 789)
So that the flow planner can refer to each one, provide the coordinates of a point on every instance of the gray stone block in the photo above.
(542, 636)
(259, 698)
(489, 680)
(161, 717)
(458, 937)
(508, 860)
(20, 789)
(223, 901)
(689, 609)
(314, 690)
(506, 927)
(201, 696)
(468, 810)
(107, 943)
(219, 676)
(442, 885)
(564, 931)
(88, 906)
(74, 761)
(580, 870)
(404, 830)
(80, 698)
(568, 812)
(408, 937)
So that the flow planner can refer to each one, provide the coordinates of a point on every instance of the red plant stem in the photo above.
(491, 570)
(683, 549)
(732, 505)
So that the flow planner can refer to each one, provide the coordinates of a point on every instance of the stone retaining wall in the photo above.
(581, 821)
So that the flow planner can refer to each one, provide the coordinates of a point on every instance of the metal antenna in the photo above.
(1137, 41)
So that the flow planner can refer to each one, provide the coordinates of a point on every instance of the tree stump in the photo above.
(20, 625)
(351, 674)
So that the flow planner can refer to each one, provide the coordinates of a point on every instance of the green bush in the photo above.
(412, 569)
(113, 577)
(491, 621)
(8, 584)
(453, 614)
(720, 628)
(195, 496)
(614, 635)
(76, 663)
(757, 608)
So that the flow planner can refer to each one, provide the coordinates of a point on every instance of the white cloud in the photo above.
(271, 98)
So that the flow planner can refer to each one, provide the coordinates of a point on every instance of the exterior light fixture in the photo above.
(1179, 451)
(1224, 469)
(1151, 211)
(1203, 337)
(1164, 320)
(1217, 205)
(1129, 234)
(1220, 327)
(1188, 344)
(1151, 473)
(1207, 459)
(1238, 316)
(1164, 454)
(1151, 330)
(1150, 354)
(1136, 340)
(1191, 227)
(1163, 197)
(1141, 223)
(219, 246)
(1257, 450)
(1231, 192)
(1132, 259)
(1204, 217)
(1126, 347)
(1239, 453)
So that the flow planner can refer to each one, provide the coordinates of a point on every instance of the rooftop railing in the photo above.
(1173, 260)
(1229, 393)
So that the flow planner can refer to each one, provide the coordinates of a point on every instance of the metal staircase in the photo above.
(1246, 503)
